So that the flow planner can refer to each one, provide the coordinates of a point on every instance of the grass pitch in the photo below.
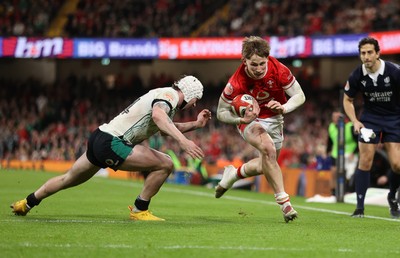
(92, 220)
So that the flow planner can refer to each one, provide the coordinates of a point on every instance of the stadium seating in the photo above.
(42, 122)
(186, 18)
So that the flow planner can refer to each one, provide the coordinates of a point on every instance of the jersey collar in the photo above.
(380, 70)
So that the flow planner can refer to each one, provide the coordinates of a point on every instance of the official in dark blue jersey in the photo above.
(379, 83)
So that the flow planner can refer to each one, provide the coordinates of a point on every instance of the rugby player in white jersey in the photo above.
(117, 145)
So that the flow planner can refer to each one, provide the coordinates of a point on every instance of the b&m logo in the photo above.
(23, 47)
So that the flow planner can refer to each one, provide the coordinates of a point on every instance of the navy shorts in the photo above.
(386, 128)
(105, 150)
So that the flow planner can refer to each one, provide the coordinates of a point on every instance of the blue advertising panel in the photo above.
(338, 45)
(116, 48)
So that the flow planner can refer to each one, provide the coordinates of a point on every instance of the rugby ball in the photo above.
(240, 102)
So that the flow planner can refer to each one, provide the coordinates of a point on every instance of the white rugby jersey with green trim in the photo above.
(135, 124)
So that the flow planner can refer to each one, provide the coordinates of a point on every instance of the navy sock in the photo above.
(32, 201)
(141, 204)
(394, 183)
(362, 181)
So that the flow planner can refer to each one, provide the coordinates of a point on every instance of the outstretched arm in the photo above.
(202, 118)
(166, 126)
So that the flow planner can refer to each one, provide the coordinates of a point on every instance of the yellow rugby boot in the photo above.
(20, 208)
(143, 215)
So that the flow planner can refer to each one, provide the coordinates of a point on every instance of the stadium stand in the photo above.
(53, 121)
(28, 17)
(303, 17)
(186, 18)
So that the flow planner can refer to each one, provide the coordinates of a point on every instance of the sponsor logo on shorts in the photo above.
(111, 162)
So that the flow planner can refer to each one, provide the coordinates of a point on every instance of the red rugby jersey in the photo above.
(271, 87)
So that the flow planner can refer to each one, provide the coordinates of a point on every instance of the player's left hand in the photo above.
(203, 117)
(275, 106)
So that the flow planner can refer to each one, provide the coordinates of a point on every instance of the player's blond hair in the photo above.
(255, 45)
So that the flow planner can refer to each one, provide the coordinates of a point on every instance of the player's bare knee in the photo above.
(168, 165)
(365, 164)
(268, 151)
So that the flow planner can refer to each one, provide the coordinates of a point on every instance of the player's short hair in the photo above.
(369, 40)
(255, 45)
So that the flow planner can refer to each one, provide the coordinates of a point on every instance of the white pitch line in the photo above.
(274, 203)
(174, 247)
(66, 221)
(283, 249)
(252, 248)
(170, 188)
(181, 247)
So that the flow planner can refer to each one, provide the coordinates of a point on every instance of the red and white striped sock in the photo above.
(240, 172)
(282, 199)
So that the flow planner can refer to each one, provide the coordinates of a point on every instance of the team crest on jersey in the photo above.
(270, 83)
(387, 81)
(262, 95)
(228, 89)
(168, 96)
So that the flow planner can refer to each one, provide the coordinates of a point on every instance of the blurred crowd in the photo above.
(304, 17)
(28, 17)
(40, 121)
(187, 18)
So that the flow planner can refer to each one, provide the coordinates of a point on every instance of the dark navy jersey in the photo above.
(382, 94)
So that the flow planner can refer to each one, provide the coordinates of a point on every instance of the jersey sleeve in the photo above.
(234, 86)
(396, 75)
(230, 92)
(169, 96)
(351, 86)
(286, 78)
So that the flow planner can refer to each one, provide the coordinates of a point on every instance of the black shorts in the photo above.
(386, 128)
(105, 150)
